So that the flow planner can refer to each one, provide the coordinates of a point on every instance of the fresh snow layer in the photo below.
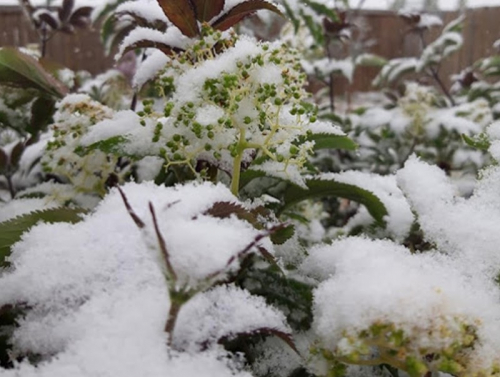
(369, 283)
(464, 228)
(98, 296)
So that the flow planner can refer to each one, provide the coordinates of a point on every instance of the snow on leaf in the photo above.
(228, 311)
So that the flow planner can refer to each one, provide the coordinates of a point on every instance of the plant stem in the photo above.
(436, 78)
(44, 40)
(235, 179)
(175, 307)
(11, 186)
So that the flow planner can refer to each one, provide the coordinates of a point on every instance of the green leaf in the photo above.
(315, 29)
(322, 188)
(283, 234)
(322, 9)
(113, 145)
(370, 60)
(480, 141)
(208, 9)
(291, 16)
(330, 141)
(242, 10)
(41, 114)
(181, 13)
(249, 175)
(19, 69)
(12, 230)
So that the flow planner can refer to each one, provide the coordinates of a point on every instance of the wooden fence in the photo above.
(388, 32)
(81, 51)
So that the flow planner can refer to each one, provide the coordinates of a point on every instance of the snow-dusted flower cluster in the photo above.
(236, 101)
(86, 172)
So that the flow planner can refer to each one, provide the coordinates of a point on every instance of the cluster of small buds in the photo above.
(86, 172)
(416, 103)
(447, 347)
(228, 96)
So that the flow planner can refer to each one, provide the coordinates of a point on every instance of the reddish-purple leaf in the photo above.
(16, 153)
(266, 331)
(3, 160)
(82, 12)
(181, 13)
(146, 43)
(207, 9)
(65, 10)
(242, 10)
(49, 20)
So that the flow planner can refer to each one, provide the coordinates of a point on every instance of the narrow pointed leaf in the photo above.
(322, 188)
(12, 230)
(181, 13)
(242, 10)
(330, 141)
(146, 43)
(4, 160)
(66, 9)
(49, 20)
(85, 12)
(22, 70)
(208, 9)
(16, 153)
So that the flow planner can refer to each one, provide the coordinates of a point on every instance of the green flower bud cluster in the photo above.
(230, 95)
(448, 346)
(87, 172)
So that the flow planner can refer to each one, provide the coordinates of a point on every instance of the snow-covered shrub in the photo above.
(102, 294)
(219, 260)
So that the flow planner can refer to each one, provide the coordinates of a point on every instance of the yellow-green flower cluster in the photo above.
(86, 172)
(232, 102)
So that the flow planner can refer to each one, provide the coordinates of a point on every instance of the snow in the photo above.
(370, 285)
(461, 227)
(228, 311)
(99, 300)
(150, 67)
(172, 38)
(15, 208)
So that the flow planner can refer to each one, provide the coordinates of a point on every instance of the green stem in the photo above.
(175, 307)
(235, 180)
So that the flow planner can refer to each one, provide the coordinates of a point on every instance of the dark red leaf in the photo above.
(242, 10)
(207, 9)
(65, 10)
(82, 12)
(223, 210)
(3, 160)
(49, 20)
(146, 43)
(16, 153)
(181, 13)
(266, 331)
